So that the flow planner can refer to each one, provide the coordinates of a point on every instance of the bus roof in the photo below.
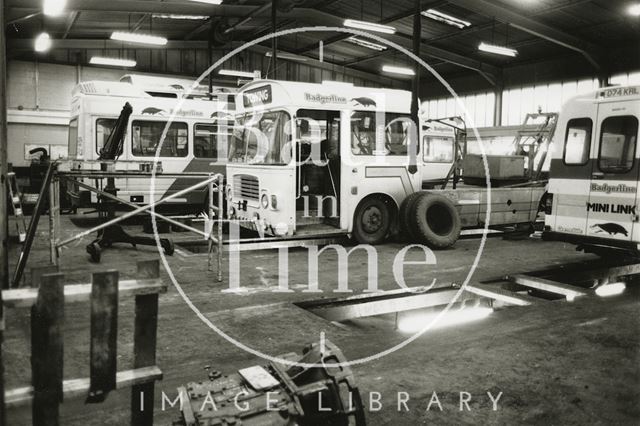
(109, 88)
(609, 94)
(336, 96)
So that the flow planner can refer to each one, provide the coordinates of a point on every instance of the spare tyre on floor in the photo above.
(404, 216)
(435, 220)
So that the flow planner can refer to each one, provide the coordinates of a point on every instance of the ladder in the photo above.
(534, 138)
(16, 204)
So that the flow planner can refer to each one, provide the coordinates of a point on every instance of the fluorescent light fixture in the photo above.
(179, 17)
(634, 9)
(53, 7)
(398, 70)
(115, 62)
(208, 1)
(42, 43)
(498, 50)
(363, 25)
(138, 38)
(288, 56)
(417, 322)
(447, 19)
(611, 289)
(234, 73)
(366, 43)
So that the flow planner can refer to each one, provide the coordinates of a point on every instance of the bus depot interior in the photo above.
(315, 213)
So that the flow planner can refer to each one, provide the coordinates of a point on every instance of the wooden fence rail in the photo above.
(47, 299)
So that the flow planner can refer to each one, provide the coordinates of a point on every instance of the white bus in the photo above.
(594, 172)
(321, 159)
(193, 142)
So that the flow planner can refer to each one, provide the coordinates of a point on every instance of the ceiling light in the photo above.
(610, 289)
(234, 73)
(634, 9)
(366, 43)
(498, 50)
(363, 25)
(398, 70)
(447, 19)
(42, 43)
(98, 60)
(208, 1)
(138, 38)
(288, 56)
(53, 7)
(179, 17)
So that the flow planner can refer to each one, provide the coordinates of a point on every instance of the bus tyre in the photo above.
(435, 220)
(372, 221)
(404, 216)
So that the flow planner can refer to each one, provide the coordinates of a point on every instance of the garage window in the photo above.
(618, 139)
(578, 142)
(146, 137)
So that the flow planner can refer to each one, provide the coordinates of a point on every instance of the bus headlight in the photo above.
(264, 201)
(274, 202)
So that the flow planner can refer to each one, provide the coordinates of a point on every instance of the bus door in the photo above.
(571, 170)
(612, 210)
(318, 169)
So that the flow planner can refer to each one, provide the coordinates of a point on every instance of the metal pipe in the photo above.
(4, 222)
(210, 56)
(210, 218)
(415, 92)
(220, 220)
(53, 201)
(138, 210)
(247, 18)
(274, 42)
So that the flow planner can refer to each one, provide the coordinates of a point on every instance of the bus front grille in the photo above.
(246, 187)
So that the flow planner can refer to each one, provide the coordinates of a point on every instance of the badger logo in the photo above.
(177, 86)
(610, 228)
(152, 111)
(364, 101)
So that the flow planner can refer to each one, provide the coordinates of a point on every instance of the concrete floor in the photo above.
(555, 362)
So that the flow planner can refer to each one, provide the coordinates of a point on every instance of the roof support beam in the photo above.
(517, 19)
(139, 6)
(424, 5)
(71, 19)
(307, 15)
(16, 45)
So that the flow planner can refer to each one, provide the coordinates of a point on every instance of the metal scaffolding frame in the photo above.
(214, 182)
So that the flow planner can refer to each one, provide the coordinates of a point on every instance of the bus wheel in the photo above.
(436, 220)
(372, 221)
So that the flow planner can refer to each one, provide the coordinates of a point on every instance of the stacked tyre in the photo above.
(430, 219)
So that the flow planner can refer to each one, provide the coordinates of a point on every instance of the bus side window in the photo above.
(146, 136)
(577, 144)
(205, 141)
(104, 127)
(618, 138)
(438, 149)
